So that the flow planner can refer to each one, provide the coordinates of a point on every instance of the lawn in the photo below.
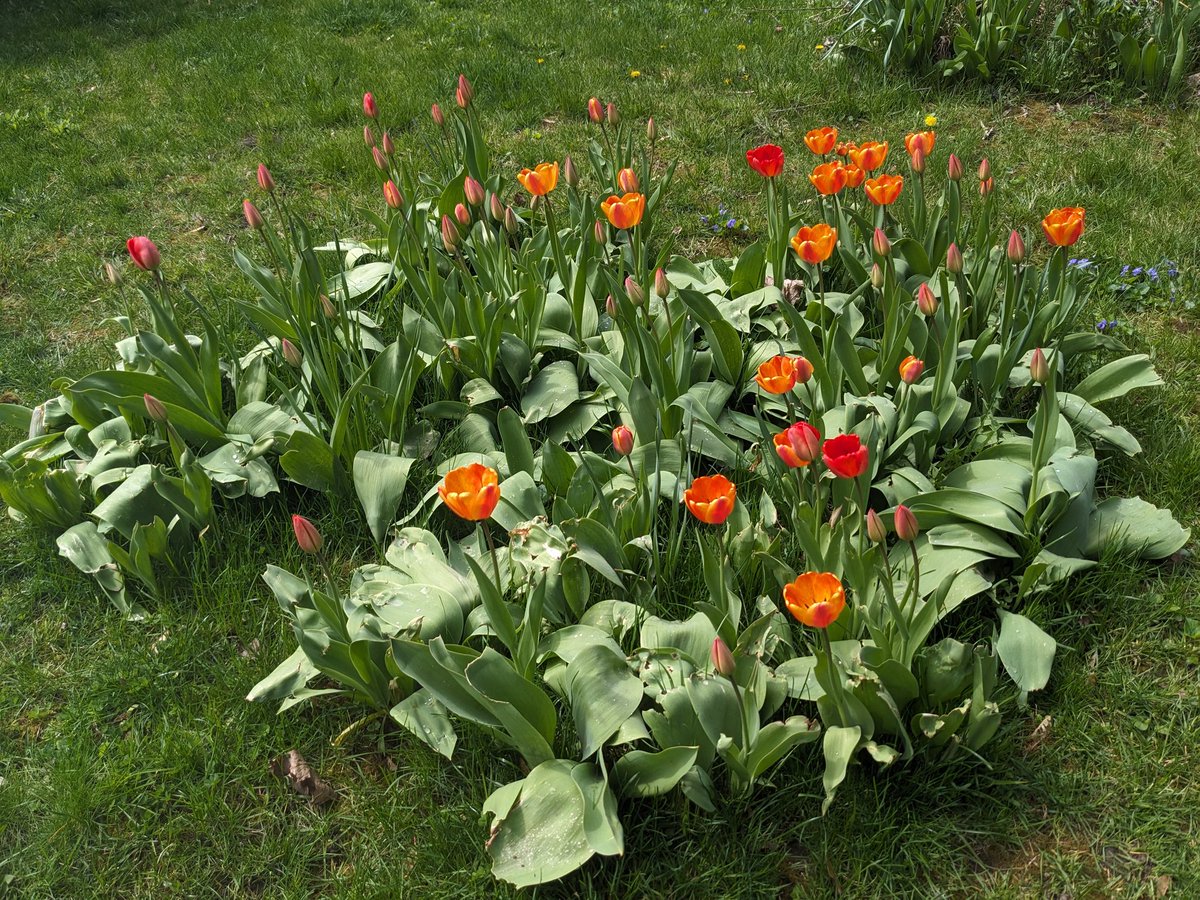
(130, 764)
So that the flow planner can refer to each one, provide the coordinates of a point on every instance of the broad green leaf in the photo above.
(1026, 651)
(642, 774)
(603, 693)
(1117, 379)
(839, 745)
(379, 482)
(1133, 524)
(422, 714)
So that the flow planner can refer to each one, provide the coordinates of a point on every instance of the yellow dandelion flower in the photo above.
(820, 47)
(634, 73)
(931, 120)
(540, 61)
(729, 81)
(741, 46)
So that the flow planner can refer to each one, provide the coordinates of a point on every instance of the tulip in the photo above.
(595, 111)
(880, 243)
(541, 180)
(985, 169)
(389, 148)
(986, 187)
(291, 353)
(711, 498)
(599, 233)
(954, 168)
(1039, 368)
(439, 117)
(610, 307)
(815, 599)
(766, 160)
(869, 156)
(911, 369)
(954, 259)
(1016, 248)
(634, 291)
(473, 191)
(627, 181)
(622, 440)
(845, 456)
(917, 160)
(922, 139)
(722, 658)
(111, 275)
(1063, 227)
(821, 140)
(798, 445)
(462, 215)
(449, 233)
(570, 175)
(471, 492)
(804, 369)
(814, 243)
(143, 253)
(307, 536)
(777, 375)
(662, 287)
(380, 160)
(907, 527)
(327, 307)
(254, 218)
(877, 277)
(463, 93)
(265, 181)
(496, 208)
(368, 136)
(391, 195)
(510, 220)
(624, 212)
(854, 176)
(651, 131)
(843, 148)
(369, 108)
(835, 517)
(876, 530)
(884, 190)
(927, 301)
(155, 409)
(829, 178)
(611, 114)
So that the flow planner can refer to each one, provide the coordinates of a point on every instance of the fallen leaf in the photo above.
(302, 778)
(1162, 885)
(1039, 735)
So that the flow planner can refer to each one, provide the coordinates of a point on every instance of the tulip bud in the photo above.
(954, 259)
(662, 287)
(265, 181)
(986, 187)
(610, 307)
(368, 136)
(911, 370)
(835, 517)
(496, 208)
(722, 658)
(462, 214)
(612, 115)
(804, 370)
(144, 253)
(155, 409)
(112, 275)
(570, 175)
(985, 169)
(880, 243)
(535, 204)
(253, 217)
(473, 191)
(388, 147)
(600, 233)
(917, 160)
(291, 354)
(622, 440)
(380, 159)
(627, 181)
(905, 523)
(439, 118)
(594, 110)
(464, 93)
(927, 301)
(1039, 368)
(634, 291)
(510, 221)
(391, 194)
(449, 233)
(327, 307)
(307, 536)
(876, 530)
(369, 109)
(954, 168)
(1016, 248)
(876, 276)
(651, 130)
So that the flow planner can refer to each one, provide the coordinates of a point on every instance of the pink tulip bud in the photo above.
(464, 93)
(905, 523)
(1039, 368)
(722, 658)
(155, 409)
(291, 353)
(594, 110)
(805, 442)
(610, 112)
(510, 221)
(634, 291)
(473, 191)
(804, 370)
(307, 536)
(927, 301)
(880, 243)
(876, 530)
(662, 287)
(876, 276)
(462, 215)
(370, 110)
(954, 259)
(627, 181)
(985, 169)
(610, 307)
(439, 118)
(622, 440)
(391, 194)
(449, 233)
(265, 181)
(143, 253)
(327, 307)
(254, 219)
(380, 160)
(986, 187)
(954, 168)
(496, 208)
(389, 148)
(111, 275)
(1016, 248)
(917, 160)
(368, 136)
(651, 130)
(911, 370)
(600, 233)
(570, 175)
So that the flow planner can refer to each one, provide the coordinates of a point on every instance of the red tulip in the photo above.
(911, 369)
(307, 536)
(766, 160)
(1016, 248)
(370, 110)
(711, 498)
(722, 658)
(595, 111)
(254, 218)
(907, 527)
(622, 440)
(391, 194)
(439, 117)
(155, 409)
(845, 456)
(143, 253)
(265, 181)
(464, 93)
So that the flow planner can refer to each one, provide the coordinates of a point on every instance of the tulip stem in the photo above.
(487, 533)
(741, 704)
(835, 678)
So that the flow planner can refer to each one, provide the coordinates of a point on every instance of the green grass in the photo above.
(129, 763)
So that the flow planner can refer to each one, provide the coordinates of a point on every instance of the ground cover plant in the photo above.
(375, 589)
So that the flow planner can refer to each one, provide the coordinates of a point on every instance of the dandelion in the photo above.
(930, 120)
(634, 73)
(741, 47)
(820, 48)
(540, 60)
(729, 81)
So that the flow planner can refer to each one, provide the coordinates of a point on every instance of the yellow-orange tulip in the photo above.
(777, 375)
(869, 156)
(884, 190)
(710, 498)
(911, 369)
(854, 176)
(1063, 227)
(624, 212)
(814, 243)
(924, 139)
(821, 140)
(828, 178)
(541, 180)
(471, 492)
(815, 598)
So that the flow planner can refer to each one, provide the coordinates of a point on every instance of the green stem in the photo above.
(835, 677)
(487, 533)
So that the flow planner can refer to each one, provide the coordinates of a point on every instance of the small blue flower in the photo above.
(1172, 270)
(704, 220)
(1101, 325)
(731, 223)
(716, 228)
(1136, 272)
(1153, 273)
(722, 210)
(1124, 270)
(1112, 324)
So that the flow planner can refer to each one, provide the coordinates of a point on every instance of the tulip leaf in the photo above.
(551, 391)
(840, 745)
(422, 714)
(1026, 651)
(603, 693)
(1134, 525)
(1118, 378)
(642, 774)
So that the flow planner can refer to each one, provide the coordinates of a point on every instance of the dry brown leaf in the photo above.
(1039, 735)
(303, 779)
(1162, 885)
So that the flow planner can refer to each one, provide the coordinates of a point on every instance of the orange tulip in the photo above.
(471, 492)
(624, 212)
(539, 181)
(923, 139)
(841, 148)
(828, 178)
(911, 369)
(815, 598)
(821, 140)
(854, 176)
(1063, 227)
(869, 156)
(777, 375)
(814, 243)
(884, 190)
(710, 498)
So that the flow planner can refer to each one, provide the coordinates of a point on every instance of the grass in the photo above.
(129, 764)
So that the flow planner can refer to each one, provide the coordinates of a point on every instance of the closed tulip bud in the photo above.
(954, 168)
(595, 111)
(380, 160)
(439, 117)
(911, 370)
(368, 136)
(155, 409)
(144, 253)
(111, 275)
(473, 191)
(307, 536)
(662, 287)
(610, 307)
(370, 110)
(391, 194)
(464, 93)
(835, 517)
(535, 204)
(722, 658)
(954, 259)
(627, 181)
(876, 276)
(876, 530)
(985, 169)
(265, 181)
(905, 523)
(570, 173)
(927, 301)
(510, 221)
(461, 214)
(496, 208)
(327, 307)
(917, 160)
(600, 233)
(634, 291)
(388, 147)
(254, 219)
(449, 233)
(1039, 368)
(880, 243)
(986, 187)
(291, 354)
(610, 113)
(1016, 248)
(651, 131)
(622, 440)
